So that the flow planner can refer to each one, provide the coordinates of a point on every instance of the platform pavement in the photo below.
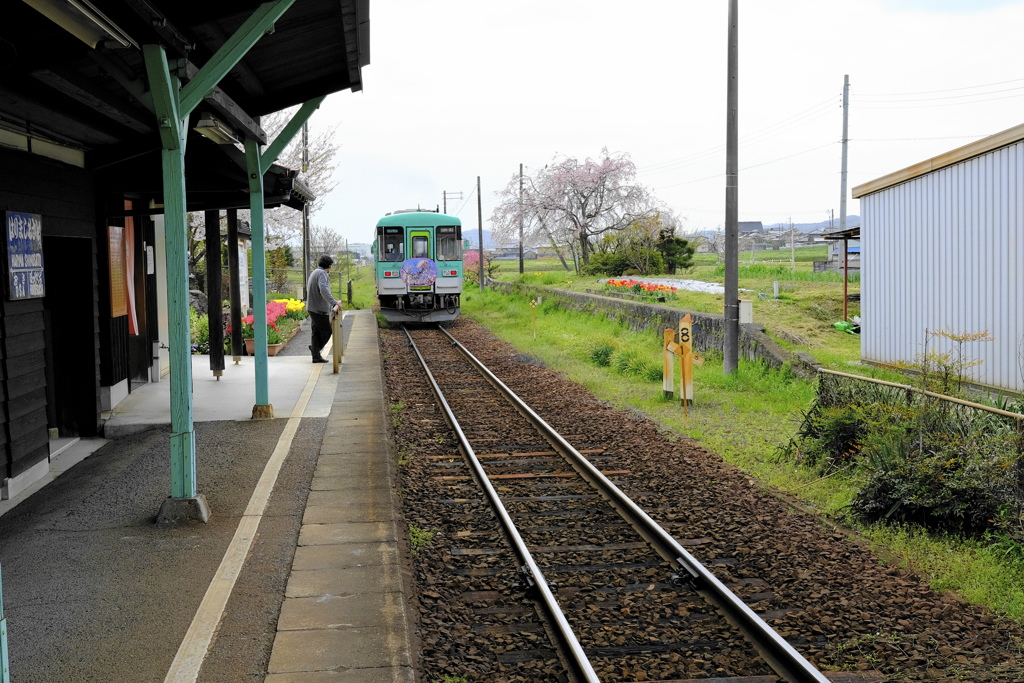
(344, 615)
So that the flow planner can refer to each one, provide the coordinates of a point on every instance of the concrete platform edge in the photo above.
(346, 615)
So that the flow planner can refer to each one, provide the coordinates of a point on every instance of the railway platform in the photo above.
(296, 577)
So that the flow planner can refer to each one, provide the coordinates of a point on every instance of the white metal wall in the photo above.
(946, 251)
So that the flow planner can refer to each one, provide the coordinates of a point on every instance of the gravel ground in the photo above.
(840, 605)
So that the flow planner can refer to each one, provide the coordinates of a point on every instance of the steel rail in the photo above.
(582, 669)
(777, 653)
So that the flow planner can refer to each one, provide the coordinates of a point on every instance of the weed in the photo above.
(419, 538)
(451, 679)
(602, 354)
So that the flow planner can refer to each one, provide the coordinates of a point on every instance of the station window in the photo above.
(420, 246)
(449, 248)
(394, 248)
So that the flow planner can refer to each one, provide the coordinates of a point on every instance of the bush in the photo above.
(199, 332)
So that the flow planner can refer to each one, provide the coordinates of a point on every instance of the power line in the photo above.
(933, 92)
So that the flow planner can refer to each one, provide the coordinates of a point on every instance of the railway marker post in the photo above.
(533, 314)
(4, 667)
(686, 360)
(337, 339)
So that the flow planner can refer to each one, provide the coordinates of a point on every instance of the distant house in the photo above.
(943, 250)
(750, 227)
(836, 261)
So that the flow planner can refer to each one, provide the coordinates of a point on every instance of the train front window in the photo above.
(449, 245)
(420, 246)
(394, 248)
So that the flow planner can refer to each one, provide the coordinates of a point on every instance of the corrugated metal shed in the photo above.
(944, 249)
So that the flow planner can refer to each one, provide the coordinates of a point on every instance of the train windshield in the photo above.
(420, 246)
(394, 247)
(449, 245)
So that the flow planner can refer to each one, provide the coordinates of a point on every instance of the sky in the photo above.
(460, 89)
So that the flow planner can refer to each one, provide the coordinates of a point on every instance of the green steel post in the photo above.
(5, 668)
(164, 88)
(254, 168)
(290, 130)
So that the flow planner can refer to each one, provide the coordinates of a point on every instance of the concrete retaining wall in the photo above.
(709, 330)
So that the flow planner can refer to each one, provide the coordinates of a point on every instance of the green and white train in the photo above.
(418, 264)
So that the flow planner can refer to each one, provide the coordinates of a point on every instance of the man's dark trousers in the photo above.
(321, 324)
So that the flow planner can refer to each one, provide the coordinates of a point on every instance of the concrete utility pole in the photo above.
(846, 139)
(520, 219)
(480, 230)
(731, 351)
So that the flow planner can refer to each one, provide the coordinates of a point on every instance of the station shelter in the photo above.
(116, 118)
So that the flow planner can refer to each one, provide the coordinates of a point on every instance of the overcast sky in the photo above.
(457, 89)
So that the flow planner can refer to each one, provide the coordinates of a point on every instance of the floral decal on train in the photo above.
(419, 272)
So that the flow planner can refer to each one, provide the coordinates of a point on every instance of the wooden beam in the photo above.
(100, 102)
(290, 130)
(229, 110)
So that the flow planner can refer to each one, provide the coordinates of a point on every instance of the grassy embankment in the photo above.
(746, 416)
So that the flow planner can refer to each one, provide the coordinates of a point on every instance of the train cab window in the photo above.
(420, 246)
(394, 248)
(449, 245)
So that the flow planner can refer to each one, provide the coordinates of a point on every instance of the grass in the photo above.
(747, 416)
(799, 320)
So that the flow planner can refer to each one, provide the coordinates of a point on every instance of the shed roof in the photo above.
(968, 151)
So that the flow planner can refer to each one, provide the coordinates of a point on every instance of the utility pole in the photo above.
(792, 247)
(446, 194)
(730, 350)
(521, 219)
(846, 139)
(480, 229)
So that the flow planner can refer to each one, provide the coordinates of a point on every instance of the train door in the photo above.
(420, 243)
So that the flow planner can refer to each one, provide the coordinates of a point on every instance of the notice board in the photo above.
(23, 245)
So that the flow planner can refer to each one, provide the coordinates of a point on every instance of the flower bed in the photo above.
(284, 317)
(642, 289)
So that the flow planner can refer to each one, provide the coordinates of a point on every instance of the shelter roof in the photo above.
(61, 83)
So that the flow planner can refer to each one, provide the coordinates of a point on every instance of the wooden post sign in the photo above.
(680, 343)
(24, 248)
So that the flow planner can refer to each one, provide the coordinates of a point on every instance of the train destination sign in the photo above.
(24, 247)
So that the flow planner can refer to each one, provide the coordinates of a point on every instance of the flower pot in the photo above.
(272, 349)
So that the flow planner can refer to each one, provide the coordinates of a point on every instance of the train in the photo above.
(418, 265)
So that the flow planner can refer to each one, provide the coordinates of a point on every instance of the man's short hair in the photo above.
(325, 262)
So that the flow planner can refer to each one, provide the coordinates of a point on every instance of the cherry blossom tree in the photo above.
(572, 203)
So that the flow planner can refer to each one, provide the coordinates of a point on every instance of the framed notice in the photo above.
(118, 291)
(24, 247)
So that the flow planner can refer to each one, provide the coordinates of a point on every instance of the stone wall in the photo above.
(708, 328)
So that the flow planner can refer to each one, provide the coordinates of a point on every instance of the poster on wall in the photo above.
(118, 291)
(24, 248)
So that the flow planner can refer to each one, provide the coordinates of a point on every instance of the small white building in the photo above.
(944, 250)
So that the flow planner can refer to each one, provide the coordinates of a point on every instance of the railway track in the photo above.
(620, 598)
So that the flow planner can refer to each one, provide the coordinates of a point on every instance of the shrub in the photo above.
(199, 332)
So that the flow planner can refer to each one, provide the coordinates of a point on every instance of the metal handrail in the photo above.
(578, 658)
(932, 394)
(780, 655)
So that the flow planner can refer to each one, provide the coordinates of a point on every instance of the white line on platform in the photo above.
(193, 649)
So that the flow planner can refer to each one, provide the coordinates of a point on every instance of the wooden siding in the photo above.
(65, 197)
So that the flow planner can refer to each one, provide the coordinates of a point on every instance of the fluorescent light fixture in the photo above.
(85, 21)
(214, 129)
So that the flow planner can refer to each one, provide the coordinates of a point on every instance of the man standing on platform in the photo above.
(319, 304)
